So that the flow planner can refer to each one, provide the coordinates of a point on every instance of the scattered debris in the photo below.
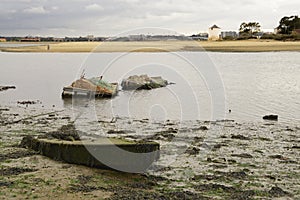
(6, 184)
(8, 171)
(192, 151)
(16, 155)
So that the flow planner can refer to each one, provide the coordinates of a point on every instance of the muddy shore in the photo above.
(199, 160)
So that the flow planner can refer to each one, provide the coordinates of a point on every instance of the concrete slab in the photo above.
(112, 153)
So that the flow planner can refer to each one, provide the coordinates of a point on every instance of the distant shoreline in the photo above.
(158, 46)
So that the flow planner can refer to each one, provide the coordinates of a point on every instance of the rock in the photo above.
(270, 117)
(242, 155)
(120, 131)
(239, 137)
(201, 128)
(225, 120)
(26, 102)
(66, 132)
(143, 82)
(192, 151)
(278, 192)
(2, 88)
(280, 157)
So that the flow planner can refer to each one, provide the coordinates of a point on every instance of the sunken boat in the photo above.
(93, 87)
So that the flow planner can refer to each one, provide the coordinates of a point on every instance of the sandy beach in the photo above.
(161, 46)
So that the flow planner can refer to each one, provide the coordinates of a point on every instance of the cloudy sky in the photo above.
(112, 17)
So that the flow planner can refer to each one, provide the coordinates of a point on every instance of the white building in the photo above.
(214, 33)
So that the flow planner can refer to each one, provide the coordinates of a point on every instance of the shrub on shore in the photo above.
(281, 37)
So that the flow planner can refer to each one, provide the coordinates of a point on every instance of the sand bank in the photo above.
(161, 46)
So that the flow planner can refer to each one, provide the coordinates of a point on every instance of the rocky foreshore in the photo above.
(199, 160)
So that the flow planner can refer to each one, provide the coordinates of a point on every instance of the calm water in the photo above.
(207, 85)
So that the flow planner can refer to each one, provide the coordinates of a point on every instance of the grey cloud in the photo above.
(110, 17)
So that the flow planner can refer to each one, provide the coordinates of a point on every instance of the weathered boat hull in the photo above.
(70, 92)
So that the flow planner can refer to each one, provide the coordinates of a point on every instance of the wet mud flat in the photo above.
(198, 160)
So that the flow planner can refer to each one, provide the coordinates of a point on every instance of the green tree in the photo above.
(250, 28)
(288, 24)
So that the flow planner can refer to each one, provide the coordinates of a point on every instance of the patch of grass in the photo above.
(255, 184)
(261, 193)
(2, 144)
(74, 181)
(213, 193)
(22, 185)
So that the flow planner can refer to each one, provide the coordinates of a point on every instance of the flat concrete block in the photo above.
(112, 153)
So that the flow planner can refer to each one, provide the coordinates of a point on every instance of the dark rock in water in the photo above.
(270, 117)
(2, 88)
(278, 192)
(26, 102)
(143, 82)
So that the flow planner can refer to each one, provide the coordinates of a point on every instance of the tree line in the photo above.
(288, 29)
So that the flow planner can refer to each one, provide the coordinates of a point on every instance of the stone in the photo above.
(2, 88)
(143, 82)
(270, 117)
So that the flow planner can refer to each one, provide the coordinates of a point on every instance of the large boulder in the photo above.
(143, 82)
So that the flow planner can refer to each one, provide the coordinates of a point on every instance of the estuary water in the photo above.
(207, 85)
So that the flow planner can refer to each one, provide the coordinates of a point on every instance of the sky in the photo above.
(61, 18)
